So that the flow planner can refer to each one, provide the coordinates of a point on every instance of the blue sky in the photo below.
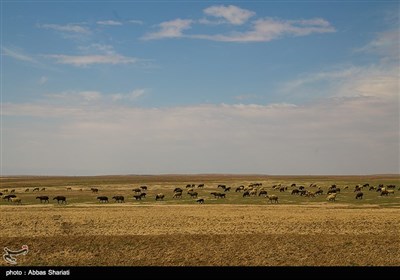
(299, 87)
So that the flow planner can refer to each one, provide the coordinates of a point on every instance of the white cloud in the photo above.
(17, 55)
(265, 30)
(72, 28)
(85, 60)
(109, 22)
(232, 14)
(132, 96)
(169, 29)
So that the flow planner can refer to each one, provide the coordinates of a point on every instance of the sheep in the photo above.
(177, 195)
(160, 196)
(137, 197)
(264, 193)
(119, 198)
(144, 188)
(43, 198)
(331, 197)
(61, 198)
(15, 200)
(201, 186)
(35, 189)
(103, 199)
(200, 200)
(8, 197)
(359, 195)
(137, 190)
(193, 194)
(272, 198)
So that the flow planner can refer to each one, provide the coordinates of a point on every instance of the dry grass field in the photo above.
(235, 231)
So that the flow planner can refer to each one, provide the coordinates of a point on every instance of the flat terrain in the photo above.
(235, 231)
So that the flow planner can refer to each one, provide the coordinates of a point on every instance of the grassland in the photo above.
(235, 231)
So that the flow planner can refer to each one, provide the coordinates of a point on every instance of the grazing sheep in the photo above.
(69, 189)
(43, 189)
(246, 194)
(239, 189)
(295, 191)
(227, 189)
(188, 186)
(390, 192)
(137, 190)
(331, 197)
(221, 186)
(43, 198)
(35, 189)
(8, 197)
(220, 195)
(160, 196)
(144, 188)
(200, 200)
(272, 198)
(264, 193)
(371, 188)
(177, 195)
(193, 194)
(253, 192)
(201, 186)
(359, 195)
(178, 190)
(103, 199)
(319, 192)
(61, 198)
(190, 190)
(27, 190)
(16, 200)
(119, 198)
(281, 189)
(137, 197)
(12, 191)
(143, 195)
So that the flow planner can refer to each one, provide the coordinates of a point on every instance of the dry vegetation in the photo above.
(235, 231)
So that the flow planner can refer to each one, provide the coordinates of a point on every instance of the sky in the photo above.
(183, 87)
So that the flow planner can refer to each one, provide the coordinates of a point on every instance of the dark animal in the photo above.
(61, 198)
(214, 194)
(8, 197)
(200, 200)
(239, 189)
(143, 195)
(188, 186)
(319, 192)
(137, 190)
(69, 189)
(43, 189)
(27, 190)
(220, 195)
(359, 195)
(301, 188)
(12, 191)
(178, 190)
(246, 193)
(160, 196)
(94, 190)
(177, 195)
(36, 189)
(119, 198)
(1, 193)
(143, 188)
(193, 194)
(281, 189)
(295, 191)
(264, 193)
(293, 185)
(137, 197)
(103, 199)
(391, 186)
(227, 189)
(43, 198)
(221, 186)
(201, 186)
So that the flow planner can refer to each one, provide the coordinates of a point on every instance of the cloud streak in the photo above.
(109, 22)
(86, 60)
(169, 29)
(70, 28)
(231, 14)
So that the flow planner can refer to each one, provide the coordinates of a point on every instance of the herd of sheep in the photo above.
(220, 192)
